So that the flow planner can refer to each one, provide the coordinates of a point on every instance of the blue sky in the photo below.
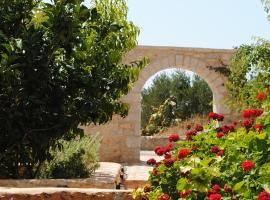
(198, 23)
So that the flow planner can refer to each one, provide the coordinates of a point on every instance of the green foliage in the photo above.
(203, 168)
(60, 67)
(250, 73)
(75, 159)
(191, 95)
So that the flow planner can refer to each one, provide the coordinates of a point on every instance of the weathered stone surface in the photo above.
(117, 134)
(105, 177)
(150, 142)
(63, 194)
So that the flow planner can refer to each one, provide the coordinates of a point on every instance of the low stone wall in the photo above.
(105, 177)
(150, 142)
(63, 193)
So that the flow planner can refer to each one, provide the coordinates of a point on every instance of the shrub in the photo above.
(75, 159)
(206, 166)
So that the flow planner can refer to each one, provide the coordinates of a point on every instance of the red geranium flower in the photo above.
(164, 197)
(258, 127)
(189, 126)
(247, 123)
(168, 148)
(214, 149)
(199, 127)
(184, 193)
(155, 172)
(183, 153)
(168, 162)
(260, 96)
(227, 189)
(220, 135)
(174, 137)
(264, 196)
(151, 161)
(190, 134)
(251, 113)
(159, 151)
(247, 165)
(220, 152)
(215, 196)
(216, 188)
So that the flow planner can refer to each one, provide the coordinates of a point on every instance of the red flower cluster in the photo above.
(220, 152)
(252, 113)
(227, 128)
(168, 148)
(214, 149)
(247, 123)
(248, 165)
(215, 196)
(155, 172)
(164, 197)
(199, 127)
(227, 189)
(217, 150)
(215, 188)
(216, 116)
(220, 135)
(264, 196)
(188, 126)
(151, 161)
(260, 96)
(183, 153)
(168, 162)
(159, 151)
(167, 155)
(184, 193)
(258, 127)
(190, 134)
(174, 138)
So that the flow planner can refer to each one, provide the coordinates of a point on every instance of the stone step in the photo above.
(63, 193)
(105, 177)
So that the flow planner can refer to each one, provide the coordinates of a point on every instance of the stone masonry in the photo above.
(121, 137)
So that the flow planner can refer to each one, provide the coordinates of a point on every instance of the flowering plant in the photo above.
(217, 161)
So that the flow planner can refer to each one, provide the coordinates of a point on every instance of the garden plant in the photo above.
(216, 161)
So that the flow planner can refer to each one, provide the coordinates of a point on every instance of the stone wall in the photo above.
(63, 194)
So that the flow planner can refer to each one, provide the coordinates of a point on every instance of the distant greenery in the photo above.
(75, 159)
(172, 97)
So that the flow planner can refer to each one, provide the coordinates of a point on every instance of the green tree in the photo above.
(191, 96)
(60, 67)
(250, 73)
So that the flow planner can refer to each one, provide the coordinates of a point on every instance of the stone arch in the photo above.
(121, 137)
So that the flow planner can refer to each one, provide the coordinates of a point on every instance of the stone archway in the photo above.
(121, 137)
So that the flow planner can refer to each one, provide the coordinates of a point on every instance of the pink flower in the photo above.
(183, 153)
(174, 138)
(260, 96)
(248, 165)
(151, 161)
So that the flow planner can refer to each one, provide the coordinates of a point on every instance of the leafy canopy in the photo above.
(60, 66)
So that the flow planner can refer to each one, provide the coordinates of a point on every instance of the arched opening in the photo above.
(173, 98)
